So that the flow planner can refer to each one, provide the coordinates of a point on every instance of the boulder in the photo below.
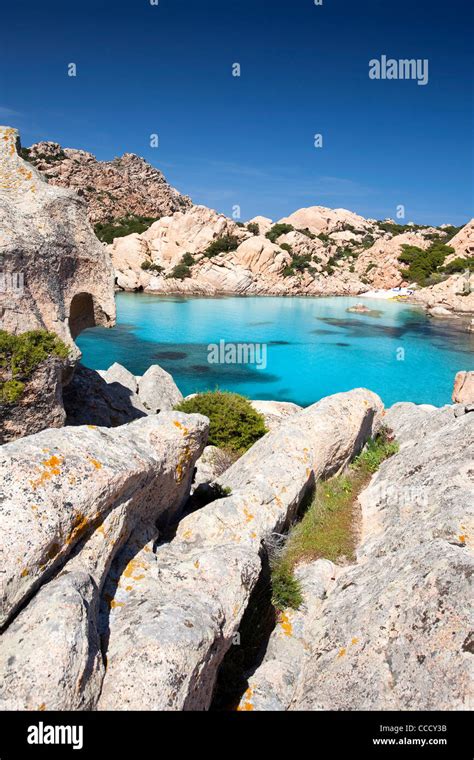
(402, 641)
(116, 373)
(90, 400)
(157, 390)
(463, 391)
(275, 412)
(167, 639)
(210, 465)
(71, 499)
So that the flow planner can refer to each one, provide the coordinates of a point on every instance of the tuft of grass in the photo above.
(330, 525)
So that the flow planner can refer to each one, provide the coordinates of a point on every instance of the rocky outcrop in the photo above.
(111, 189)
(90, 400)
(157, 390)
(328, 252)
(115, 397)
(171, 630)
(463, 391)
(62, 276)
(40, 405)
(71, 499)
(275, 412)
(402, 641)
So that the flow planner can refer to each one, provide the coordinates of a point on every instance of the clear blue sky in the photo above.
(143, 69)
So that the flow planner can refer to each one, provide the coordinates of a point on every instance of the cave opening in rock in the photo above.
(81, 313)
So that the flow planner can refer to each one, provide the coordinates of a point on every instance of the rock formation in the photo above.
(328, 252)
(57, 275)
(169, 632)
(392, 631)
(71, 499)
(463, 391)
(111, 189)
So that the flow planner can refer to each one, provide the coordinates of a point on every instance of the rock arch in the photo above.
(81, 313)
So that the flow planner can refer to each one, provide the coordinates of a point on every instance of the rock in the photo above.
(275, 412)
(463, 391)
(359, 308)
(168, 640)
(71, 501)
(118, 374)
(401, 643)
(210, 465)
(440, 311)
(90, 400)
(70, 285)
(273, 684)
(40, 405)
(411, 423)
(157, 390)
(111, 189)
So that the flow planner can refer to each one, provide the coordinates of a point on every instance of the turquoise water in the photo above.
(314, 347)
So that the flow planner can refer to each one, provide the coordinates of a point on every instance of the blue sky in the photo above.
(224, 140)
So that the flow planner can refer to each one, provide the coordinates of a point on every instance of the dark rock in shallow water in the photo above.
(172, 355)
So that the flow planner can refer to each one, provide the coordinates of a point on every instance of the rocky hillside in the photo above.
(113, 190)
(315, 251)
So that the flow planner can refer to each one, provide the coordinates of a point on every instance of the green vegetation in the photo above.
(19, 357)
(107, 231)
(459, 265)
(398, 229)
(286, 247)
(329, 526)
(308, 233)
(450, 231)
(234, 423)
(149, 266)
(299, 263)
(323, 237)
(253, 228)
(188, 260)
(222, 245)
(277, 230)
(179, 272)
(423, 264)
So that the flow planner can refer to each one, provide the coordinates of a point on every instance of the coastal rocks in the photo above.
(379, 264)
(454, 294)
(440, 311)
(59, 276)
(71, 499)
(115, 397)
(463, 391)
(157, 390)
(90, 400)
(361, 308)
(275, 412)
(111, 189)
(210, 465)
(167, 640)
(321, 219)
(402, 642)
(40, 405)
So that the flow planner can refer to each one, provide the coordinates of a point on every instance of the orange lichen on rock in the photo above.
(246, 704)
(286, 624)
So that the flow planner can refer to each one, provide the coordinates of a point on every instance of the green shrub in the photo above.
(234, 423)
(450, 231)
(107, 231)
(422, 264)
(322, 236)
(288, 271)
(11, 391)
(286, 589)
(277, 230)
(188, 260)
(222, 245)
(459, 265)
(19, 357)
(253, 228)
(308, 233)
(150, 266)
(286, 247)
(179, 272)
